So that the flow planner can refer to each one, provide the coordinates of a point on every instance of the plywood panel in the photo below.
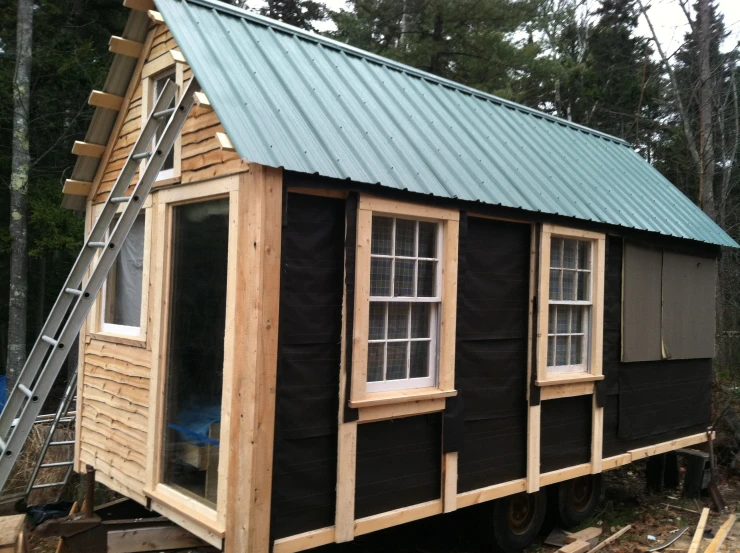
(689, 289)
(641, 303)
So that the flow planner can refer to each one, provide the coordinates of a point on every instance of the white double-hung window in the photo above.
(570, 313)
(405, 298)
(570, 305)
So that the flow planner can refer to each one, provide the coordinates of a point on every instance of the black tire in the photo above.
(574, 501)
(517, 520)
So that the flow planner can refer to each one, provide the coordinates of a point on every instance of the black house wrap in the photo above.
(565, 432)
(491, 351)
(647, 402)
(305, 454)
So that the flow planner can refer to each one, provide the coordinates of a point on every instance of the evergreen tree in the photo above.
(299, 13)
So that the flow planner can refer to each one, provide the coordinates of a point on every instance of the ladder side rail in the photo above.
(49, 372)
(61, 412)
(74, 280)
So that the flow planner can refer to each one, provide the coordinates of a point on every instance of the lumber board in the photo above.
(88, 149)
(125, 47)
(699, 534)
(610, 539)
(77, 187)
(584, 535)
(153, 538)
(721, 535)
(224, 142)
(577, 546)
(139, 5)
(10, 529)
(105, 100)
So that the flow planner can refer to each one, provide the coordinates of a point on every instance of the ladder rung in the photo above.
(2, 445)
(68, 442)
(120, 200)
(25, 390)
(142, 155)
(96, 244)
(73, 291)
(163, 113)
(51, 485)
(59, 464)
(50, 341)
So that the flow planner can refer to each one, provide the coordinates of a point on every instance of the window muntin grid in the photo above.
(404, 304)
(570, 302)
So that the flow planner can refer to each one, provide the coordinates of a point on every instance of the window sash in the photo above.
(433, 355)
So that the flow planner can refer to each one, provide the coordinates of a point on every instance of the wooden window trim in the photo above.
(208, 518)
(95, 319)
(172, 60)
(449, 225)
(596, 321)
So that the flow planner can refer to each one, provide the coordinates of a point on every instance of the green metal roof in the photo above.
(293, 99)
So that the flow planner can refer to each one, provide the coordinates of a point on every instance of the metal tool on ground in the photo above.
(98, 254)
(719, 502)
(673, 539)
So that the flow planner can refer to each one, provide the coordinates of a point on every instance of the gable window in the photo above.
(168, 169)
(155, 75)
(405, 301)
(122, 291)
(571, 282)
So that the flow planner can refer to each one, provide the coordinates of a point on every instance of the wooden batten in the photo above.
(253, 385)
(224, 142)
(125, 47)
(139, 5)
(155, 17)
(88, 149)
(77, 187)
(105, 100)
(202, 101)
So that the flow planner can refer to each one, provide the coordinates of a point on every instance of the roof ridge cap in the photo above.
(398, 66)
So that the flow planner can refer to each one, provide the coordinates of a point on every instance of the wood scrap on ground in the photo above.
(699, 534)
(578, 546)
(722, 533)
(610, 539)
(586, 534)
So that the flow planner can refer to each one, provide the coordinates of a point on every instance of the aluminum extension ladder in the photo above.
(76, 298)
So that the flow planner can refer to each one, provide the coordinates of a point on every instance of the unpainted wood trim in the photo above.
(155, 17)
(448, 309)
(116, 130)
(322, 192)
(399, 410)
(597, 436)
(362, 305)
(224, 142)
(307, 540)
(406, 209)
(202, 101)
(77, 187)
(657, 449)
(188, 507)
(449, 482)
(399, 516)
(139, 5)
(344, 520)
(489, 493)
(533, 448)
(199, 191)
(567, 473)
(253, 388)
(566, 390)
(401, 396)
(105, 100)
(569, 379)
(162, 63)
(187, 523)
(568, 232)
(125, 47)
(88, 149)
(615, 462)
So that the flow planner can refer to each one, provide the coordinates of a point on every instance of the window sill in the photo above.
(568, 378)
(166, 181)
(401, 396)
(133, 341)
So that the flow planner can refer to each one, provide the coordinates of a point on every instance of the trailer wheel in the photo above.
(576, 500)
(517, 520)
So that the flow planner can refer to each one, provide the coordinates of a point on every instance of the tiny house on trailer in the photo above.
(359, 295)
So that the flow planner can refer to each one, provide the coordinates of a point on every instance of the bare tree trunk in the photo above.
(20, 167)
(706, 94)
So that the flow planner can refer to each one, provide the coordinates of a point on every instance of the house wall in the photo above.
(115, 377)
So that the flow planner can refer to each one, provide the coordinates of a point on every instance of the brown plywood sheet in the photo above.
(689, 288)
(641, 303)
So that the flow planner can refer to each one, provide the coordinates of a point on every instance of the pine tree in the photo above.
(299, 13)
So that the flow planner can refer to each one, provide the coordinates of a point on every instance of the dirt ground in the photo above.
(625, 502)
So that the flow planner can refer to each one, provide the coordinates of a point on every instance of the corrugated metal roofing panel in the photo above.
(292, 99)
